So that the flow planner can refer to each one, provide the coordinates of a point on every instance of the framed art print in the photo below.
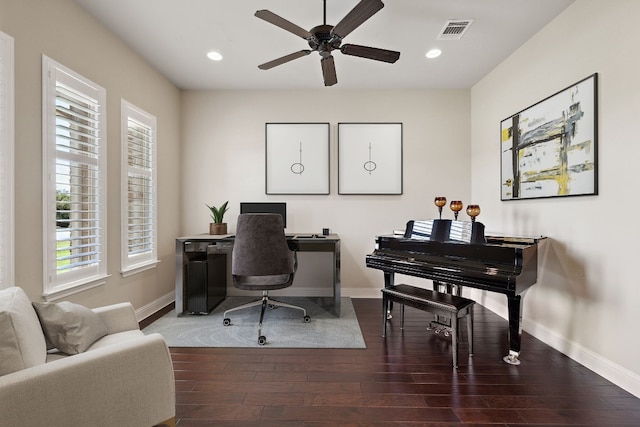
(370, 158)
(551, 148)
(297, 158)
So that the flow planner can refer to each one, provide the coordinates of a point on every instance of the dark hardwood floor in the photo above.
(403, 380)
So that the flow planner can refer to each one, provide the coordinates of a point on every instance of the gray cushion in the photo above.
(21, 340)
(71, 328)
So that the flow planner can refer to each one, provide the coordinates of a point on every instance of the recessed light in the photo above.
(433, 53)
(214, 56)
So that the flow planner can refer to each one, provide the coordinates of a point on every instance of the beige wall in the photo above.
(585, 302)
(224, 148)
(63, 31)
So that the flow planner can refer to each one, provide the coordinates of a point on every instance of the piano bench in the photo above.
(452, 307)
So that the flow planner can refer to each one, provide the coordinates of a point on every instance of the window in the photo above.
(75, 186)
(139, 207)
(6, 162)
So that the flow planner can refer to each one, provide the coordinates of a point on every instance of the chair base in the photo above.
(264, 302)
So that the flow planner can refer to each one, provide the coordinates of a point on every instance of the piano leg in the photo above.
(385, 307)
(515, 328)
(389, 280)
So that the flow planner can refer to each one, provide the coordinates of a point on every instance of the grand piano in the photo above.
(455, 254)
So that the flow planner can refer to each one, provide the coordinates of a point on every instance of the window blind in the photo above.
(77, 180)
(140, 188)
(140, 235)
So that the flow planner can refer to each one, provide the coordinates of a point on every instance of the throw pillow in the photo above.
(21, 340)
(70, 327)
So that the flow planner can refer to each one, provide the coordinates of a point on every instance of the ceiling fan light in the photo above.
(433, 53)
(214, 56)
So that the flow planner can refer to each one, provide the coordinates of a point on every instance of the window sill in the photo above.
(138, 268)
(71, 290)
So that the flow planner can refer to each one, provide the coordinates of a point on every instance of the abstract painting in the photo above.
(550, 148)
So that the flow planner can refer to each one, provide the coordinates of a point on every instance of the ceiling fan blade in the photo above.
(360, 13)
(370, 52)
(278, 21)
(282, 60)
(329, 71)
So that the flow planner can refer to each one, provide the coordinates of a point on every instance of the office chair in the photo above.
(262, 261)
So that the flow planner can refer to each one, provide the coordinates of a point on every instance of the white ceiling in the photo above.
(175, 35)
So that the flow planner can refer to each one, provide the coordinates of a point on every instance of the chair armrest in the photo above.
(128, 383)
(118, 317)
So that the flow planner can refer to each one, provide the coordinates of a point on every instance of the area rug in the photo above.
(283, 327)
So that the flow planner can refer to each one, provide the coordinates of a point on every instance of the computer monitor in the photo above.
(265, 207)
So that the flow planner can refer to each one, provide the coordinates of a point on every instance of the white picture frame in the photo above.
(297, 158)
(370, 158)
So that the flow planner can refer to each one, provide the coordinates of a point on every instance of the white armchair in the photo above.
(123, 379)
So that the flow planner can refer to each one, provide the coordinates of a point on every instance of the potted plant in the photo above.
(217, 214)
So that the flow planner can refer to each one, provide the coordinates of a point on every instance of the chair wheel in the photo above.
(307, 319)
(226, 321)
(262, 340)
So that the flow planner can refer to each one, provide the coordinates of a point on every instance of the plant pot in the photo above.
(215, 228)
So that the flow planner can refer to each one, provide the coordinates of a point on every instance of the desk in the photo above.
(223, 246)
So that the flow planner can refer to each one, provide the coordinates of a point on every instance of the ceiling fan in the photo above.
(326, 38)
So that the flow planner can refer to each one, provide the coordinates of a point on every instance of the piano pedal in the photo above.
(439, 327)
(444, 330)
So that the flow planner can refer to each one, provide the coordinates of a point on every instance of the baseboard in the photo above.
(604, 367)
(155, 306)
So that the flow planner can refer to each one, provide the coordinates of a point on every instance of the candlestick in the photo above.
(473, 211)
(440, 201)
(456, 206)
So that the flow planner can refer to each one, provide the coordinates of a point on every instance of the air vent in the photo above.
(454, 29)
